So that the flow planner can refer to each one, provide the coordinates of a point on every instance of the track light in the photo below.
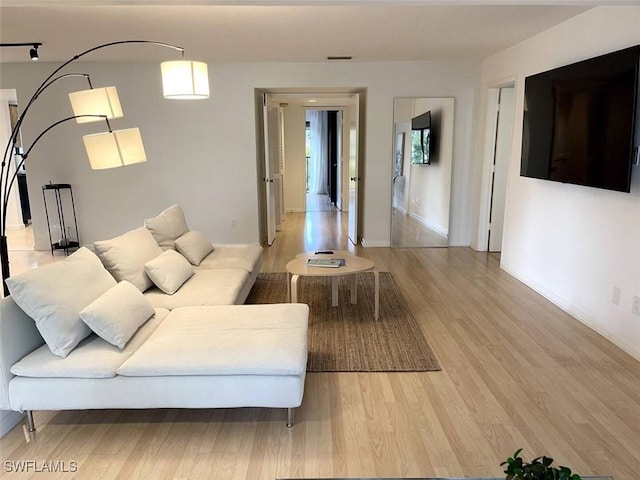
(34, 52)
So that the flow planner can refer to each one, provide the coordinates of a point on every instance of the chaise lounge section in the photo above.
(191, 357)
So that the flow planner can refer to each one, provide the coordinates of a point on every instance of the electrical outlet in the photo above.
(635, 305)
(615, 297)
(234, 223)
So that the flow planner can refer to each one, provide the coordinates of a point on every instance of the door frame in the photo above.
(8, 98)
(346, 94)
(500, 168)
(490, 126)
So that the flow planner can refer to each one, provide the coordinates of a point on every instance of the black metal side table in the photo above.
(68, 231)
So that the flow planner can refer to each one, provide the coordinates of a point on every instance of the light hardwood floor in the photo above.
(517, 372)
(319, 202)
(408, 232)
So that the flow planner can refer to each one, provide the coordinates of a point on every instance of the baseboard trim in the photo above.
(458, 244)
(8, 420)
(435, 227)
(571, 309)
(374, 243)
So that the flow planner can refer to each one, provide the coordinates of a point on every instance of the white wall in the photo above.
(572, 244)
(202, 154)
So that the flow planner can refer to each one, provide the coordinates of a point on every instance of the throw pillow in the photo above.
(54, 294)
(167, 226)
(169, 271)
(118, 313)
(194, 246)
(125, 256)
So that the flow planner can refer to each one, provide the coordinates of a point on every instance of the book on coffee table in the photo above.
(326, 262)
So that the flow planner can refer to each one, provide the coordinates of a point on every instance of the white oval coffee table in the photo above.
(298, 267)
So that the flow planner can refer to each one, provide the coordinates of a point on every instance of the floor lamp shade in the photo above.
(184, 79)
(96, 101)
(115, 149)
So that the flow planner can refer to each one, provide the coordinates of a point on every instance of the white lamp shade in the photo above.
(183, 79)
(115, 149)
(97, 101)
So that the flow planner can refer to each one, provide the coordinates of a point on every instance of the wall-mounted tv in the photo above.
(582, 122)
(421, 139)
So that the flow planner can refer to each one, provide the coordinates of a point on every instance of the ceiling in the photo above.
(289, 31)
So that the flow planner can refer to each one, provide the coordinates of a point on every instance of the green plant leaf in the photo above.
(540, 468)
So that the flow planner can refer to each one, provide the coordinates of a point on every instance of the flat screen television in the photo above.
(581, 122)
(421, 139)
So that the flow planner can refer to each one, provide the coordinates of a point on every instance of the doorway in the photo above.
(335, 179)
(19, 230)
(324, 160)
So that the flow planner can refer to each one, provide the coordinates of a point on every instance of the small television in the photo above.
(582, 122)
(421, 139)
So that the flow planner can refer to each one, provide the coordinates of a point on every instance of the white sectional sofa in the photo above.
(214, 274)
(137, 325)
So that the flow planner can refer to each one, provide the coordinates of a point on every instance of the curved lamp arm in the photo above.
(9, 183)
(47, 81)
(4, 250)
(43, 87)
(4, 175)
(6, 182)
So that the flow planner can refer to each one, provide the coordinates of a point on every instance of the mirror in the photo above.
(423, 155)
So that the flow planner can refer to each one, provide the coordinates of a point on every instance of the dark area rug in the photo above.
(347, 338)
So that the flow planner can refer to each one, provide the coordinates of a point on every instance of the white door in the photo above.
(339, 159)
(278, 169)
(503, 143)
(354, 179)
(271, 166)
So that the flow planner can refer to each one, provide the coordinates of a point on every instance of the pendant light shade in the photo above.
(115, 149)
(97, 101)
(184, 79)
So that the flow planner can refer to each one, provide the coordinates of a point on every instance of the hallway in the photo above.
(319, 202)
(307, 232)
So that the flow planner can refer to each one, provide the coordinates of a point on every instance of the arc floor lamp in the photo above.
(181, 79)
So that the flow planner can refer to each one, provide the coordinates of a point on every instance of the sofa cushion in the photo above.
(54, 294)
(169, 271)
(167, 226)
(225, 340)
(125, 256)
(117, 314)
(245, 256)
(206, 287)
(94, 357)
(194, 246)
